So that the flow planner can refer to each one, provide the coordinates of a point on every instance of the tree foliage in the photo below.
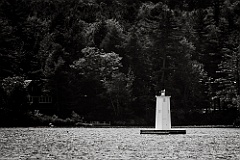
(106, 60)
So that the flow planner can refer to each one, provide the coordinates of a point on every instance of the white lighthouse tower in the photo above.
(163, 114)
(163, 117)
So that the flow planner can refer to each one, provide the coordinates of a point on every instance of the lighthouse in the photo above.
(163, 117)
(163, 114)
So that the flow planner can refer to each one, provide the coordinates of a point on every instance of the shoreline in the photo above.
(109, 126)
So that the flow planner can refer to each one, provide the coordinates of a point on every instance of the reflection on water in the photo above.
(117, 143)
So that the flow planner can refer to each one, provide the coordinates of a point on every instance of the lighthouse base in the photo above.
(172, 131)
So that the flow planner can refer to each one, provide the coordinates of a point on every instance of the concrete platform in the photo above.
(154, 131)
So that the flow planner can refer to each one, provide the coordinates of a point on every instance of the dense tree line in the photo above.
(106, 60)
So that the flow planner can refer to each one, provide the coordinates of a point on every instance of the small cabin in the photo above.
(39, 95)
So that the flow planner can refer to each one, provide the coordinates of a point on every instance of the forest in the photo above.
(106, 60)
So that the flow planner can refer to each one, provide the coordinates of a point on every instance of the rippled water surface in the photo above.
(117, 143)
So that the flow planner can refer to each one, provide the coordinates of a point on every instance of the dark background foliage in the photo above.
(106, 60)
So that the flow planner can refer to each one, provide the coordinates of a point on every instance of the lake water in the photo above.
(117, 143)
